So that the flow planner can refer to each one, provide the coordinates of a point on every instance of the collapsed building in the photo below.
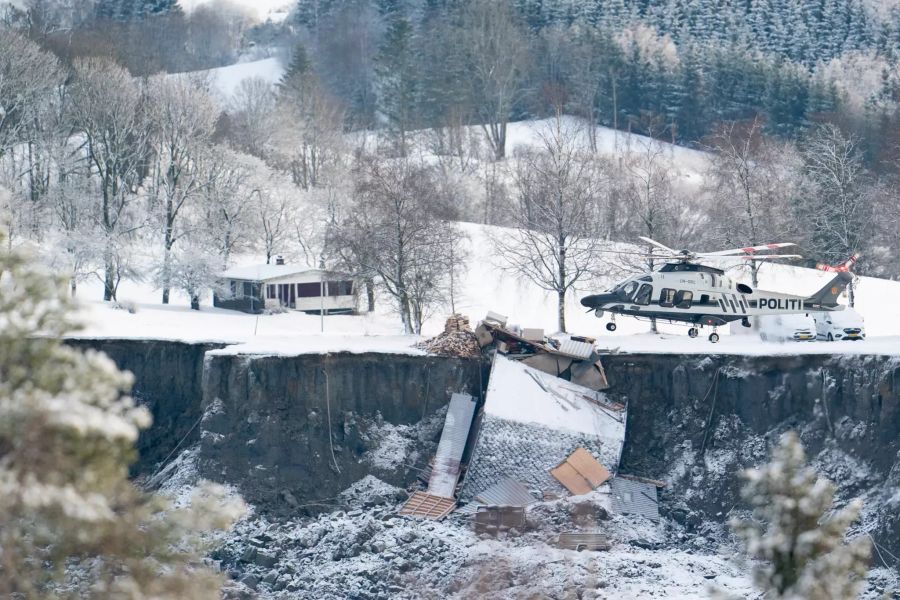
(543, 430)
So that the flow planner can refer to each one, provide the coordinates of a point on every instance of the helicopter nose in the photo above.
(597, 300)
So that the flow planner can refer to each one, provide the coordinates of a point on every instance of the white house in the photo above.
(254, 288)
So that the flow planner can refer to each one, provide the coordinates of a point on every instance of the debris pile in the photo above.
(457, 339)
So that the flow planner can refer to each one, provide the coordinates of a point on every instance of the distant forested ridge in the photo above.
(672, 68)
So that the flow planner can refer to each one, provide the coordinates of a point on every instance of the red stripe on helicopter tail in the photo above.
(841, 268)
(749, 250)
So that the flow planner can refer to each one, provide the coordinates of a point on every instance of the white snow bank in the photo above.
(225, 80)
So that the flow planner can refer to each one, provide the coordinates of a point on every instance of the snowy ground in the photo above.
(485, 287)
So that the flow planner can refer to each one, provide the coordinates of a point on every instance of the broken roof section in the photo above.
(532, 422)
(445, 472)
(580, 472)
(522, 394)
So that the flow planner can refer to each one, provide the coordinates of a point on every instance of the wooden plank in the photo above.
(588, 467)
(424, 505)
(571, 479)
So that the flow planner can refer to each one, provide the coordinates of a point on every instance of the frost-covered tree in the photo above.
(797, 534)
(840, 206)
(555, 243)
(182, 116)
(497, 50)
(251, 111)
(109, 113)
(397, 229)
(67, 434)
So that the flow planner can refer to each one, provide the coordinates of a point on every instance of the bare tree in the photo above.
(398, 230)
(555, 210)
(28, 77)
(308, 137)
(182, 117)
(752, 181)
(108, 110)
(226, 204)
(840, 205)
(251, 109)
(497, 52)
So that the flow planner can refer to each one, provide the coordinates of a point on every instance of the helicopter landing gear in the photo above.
(693, 332)
(714, 337)
(610, 326)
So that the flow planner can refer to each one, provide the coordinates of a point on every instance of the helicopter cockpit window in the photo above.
(626, 290)
(644, 294)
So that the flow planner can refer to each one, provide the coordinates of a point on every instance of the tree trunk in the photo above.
(370, 294)
(561, 309)
(851, 293)
(165, 295)
(109, 290)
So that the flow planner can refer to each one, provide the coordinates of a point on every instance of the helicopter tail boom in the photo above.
(826, 298)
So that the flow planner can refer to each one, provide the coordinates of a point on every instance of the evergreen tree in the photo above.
(134, 10)
(67, 434)
(397, 83)
(796, 533)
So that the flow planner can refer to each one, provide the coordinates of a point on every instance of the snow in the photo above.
(260, 10)
(524, 395)
(266, 272)
(226, 80)
(485, 286)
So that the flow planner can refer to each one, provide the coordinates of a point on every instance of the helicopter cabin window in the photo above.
(683, 299)
(704, 299)
(644, 294)
(667, 298)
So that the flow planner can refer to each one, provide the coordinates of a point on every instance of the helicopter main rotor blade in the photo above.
(765, 257)
(749, 249)
(658, 245)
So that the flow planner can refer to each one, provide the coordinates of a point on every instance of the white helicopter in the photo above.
(684, 290)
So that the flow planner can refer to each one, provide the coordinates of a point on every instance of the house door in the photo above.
(293, 289)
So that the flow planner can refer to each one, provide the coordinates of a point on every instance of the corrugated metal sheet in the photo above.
(582, 541)
(507, 492)
(445, 472)
(580, 350)
(631, 497)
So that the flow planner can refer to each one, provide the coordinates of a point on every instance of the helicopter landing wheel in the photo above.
(610, 326)
(714, 337)
(693, 332)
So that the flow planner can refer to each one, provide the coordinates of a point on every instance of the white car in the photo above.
(786, 328)
(844, 324)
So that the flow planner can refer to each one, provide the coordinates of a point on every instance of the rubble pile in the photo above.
(457, 339)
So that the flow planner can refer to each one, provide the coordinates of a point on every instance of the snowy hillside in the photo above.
(226, 80)
(262, 10)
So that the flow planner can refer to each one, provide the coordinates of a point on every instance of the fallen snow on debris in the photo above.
(521, 394)
(326, 344)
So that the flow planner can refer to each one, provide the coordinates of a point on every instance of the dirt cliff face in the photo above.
(168, 379)
(695, 422)
(267, 419)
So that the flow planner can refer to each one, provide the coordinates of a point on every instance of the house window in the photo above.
(340, 288)
(644, 294)
(683, 299)
(232, 286)
(248, 288)
(667, 298)
(271, 292)
(309, 290)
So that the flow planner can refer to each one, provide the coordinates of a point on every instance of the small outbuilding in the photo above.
(255, 288)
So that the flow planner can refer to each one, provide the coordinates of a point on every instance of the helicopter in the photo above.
(685, 290)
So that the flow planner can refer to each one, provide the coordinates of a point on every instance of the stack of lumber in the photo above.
(456, 340)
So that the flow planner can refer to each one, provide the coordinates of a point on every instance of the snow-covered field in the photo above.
(485, 287)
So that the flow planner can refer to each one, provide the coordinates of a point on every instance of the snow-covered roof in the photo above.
(267, 272)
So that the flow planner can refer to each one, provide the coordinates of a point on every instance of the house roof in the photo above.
(267, 272)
